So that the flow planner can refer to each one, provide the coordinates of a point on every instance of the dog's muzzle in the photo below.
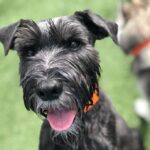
(60, 118)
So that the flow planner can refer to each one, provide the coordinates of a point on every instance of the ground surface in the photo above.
(19, 129)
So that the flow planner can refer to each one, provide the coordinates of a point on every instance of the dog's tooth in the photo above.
(45, 112)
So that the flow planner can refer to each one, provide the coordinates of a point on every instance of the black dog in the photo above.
(59, 70)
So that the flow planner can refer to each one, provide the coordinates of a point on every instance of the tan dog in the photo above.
(134, 38)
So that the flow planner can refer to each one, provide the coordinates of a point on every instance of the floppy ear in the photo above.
(99, 27)
(7, 36)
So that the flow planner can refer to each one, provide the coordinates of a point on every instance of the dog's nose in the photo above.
(49, 90)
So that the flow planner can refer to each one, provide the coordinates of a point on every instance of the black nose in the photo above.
(49, 90)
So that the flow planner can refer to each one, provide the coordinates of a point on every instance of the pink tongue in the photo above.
(61, 120)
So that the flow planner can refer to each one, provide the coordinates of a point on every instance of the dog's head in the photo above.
(59, 66)
(133, 22)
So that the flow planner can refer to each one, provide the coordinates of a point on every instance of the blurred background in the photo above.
(19, 129)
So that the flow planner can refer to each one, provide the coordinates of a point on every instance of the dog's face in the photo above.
(59, 66)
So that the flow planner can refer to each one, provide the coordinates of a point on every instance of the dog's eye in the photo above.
(74, 44)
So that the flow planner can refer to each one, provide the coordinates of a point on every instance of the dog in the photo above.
(134, 39)
(59, 72)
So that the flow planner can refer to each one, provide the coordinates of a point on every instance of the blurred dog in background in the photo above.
(134, 39)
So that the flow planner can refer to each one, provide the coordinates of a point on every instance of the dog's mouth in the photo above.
(60, 120)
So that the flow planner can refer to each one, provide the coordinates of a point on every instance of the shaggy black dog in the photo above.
(59, 70)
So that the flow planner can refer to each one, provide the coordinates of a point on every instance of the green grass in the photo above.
(19, 129)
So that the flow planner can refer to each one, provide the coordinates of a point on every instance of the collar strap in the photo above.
(95, 99)
(136, 51)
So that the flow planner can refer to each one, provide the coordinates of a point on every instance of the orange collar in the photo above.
(136, 51)
(95, 99)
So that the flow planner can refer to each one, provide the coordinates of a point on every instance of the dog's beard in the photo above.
(69, 136)
(69, 102)
(57, 113)
(58, 110)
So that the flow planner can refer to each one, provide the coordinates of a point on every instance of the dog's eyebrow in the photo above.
(66, 30)
(77, 37)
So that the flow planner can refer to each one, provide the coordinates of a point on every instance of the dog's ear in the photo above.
(20, 35)
(98, 26)
(7, 36)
